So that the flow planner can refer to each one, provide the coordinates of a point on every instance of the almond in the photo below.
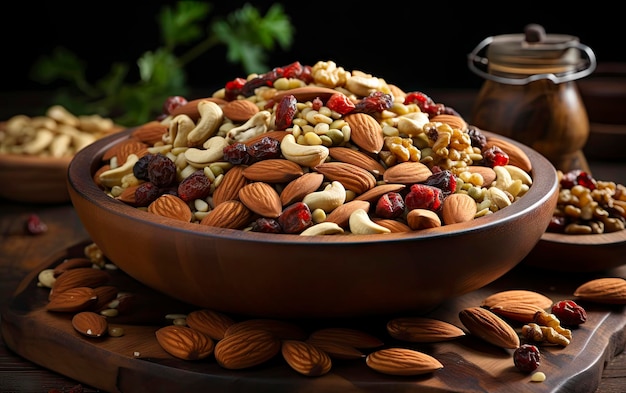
(520, 312)
(229, 187)
(105, 294)
(273, 170)
(341, 214)
(488, 174)
(150, 133)
(246, 349)
(358, 158)
(73, 300)
(212, 323)
(517, 156)
(305, 358)
(191, 108)
(306, 93)
(347, 336)
(422, 219)
(402, 361)
(458, 208)
(240, 111)
(184, 342)
(298, 188)
(453, 121)
(489, 327)
(394, 226)
(125, 148)
(168, 205)
(524, 296)
(71, 263)
(336, 350)
(281, 329)
(408, 172)
(365, 132)
(230, 214)
(79, 277)
(128, 195)
(608, 290)
(352, 177)
(90, 324)
(262, 199)
(372, 195)
(422, 330)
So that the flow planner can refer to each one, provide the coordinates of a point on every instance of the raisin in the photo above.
(422, 196)
(444, 180)
(376, 102)
(569, 313)
(390, 205)
(477, 138)
(265, 148)
(495, 156)
(527, 357)
(146, 193)
(317, 103)
(140, 169)
(161, 171)
(295, 218)
(237, 154)
(194, 186)
(266, 225)
(285, 111)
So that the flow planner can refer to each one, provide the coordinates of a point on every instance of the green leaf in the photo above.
(183, 24)
(61, 64)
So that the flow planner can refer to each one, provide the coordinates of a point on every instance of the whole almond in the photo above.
(372, 195)
(516, 155)
(229, 187)
(281, 329)
(298, 188)
(306, 93)
(240, 111)
(365, 132)
(90, 324)
(262, 199)
(457, 208)
(71, 263)
(352, 177)
(273, 170)
(489, 327)
(519, 296)
(402, 361)
(105, 294)
(608, 290)
(358, 158)
(212, 323)
(305, 358)
(151, 132)
(422, 219)
(79, 277)
(125, 148)
(422, 329)
(184, 342)
(347, 336)
(230, 214)
(73, 300)
(394, 226)
(246, 349)
(336, 350)
(408, 172)
(453, 121)
(488, 174)
(341, 214)
(168, 205)
(516, 311)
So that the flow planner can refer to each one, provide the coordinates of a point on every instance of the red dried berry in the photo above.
(569, 313)
(264, 149)
(161, 171)
(527, 357)
(444, 180)
(237, 154)
(285, 111)
(146, 193)
(295, 218)
(422, 196)
(390, 205)
(172, 103)
(266, 225)
(35, 226)
(340, 103)
(194, 186)
(495, 156)
(376, 102)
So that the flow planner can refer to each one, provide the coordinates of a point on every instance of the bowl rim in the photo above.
(14, 160)
(596, 239)
(85, 162)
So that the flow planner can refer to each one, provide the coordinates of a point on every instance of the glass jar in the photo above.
(530, 93)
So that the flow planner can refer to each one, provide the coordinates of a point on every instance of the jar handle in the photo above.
(473, 59)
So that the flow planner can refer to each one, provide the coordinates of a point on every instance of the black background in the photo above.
(415, 45)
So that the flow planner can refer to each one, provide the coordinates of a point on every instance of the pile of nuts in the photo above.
(346, 152)
(59, 133)
(518, 320)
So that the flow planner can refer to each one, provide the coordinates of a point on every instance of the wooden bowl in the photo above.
(579, 253)
(290, 276)
(32, 179)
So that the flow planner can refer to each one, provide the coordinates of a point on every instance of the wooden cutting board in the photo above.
(135, 362)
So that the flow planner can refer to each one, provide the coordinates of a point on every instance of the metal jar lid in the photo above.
(519, 59)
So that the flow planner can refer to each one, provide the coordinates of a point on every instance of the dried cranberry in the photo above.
(376, 102)
(172, 103)
(194, 186)
(146, 193)
(265, 148)
(317, 103)
(527, 357)
(233, 88)
(35, 226)
(557, 224)
(161, 171)
(340, 103)
(569, 313)
(266, 225)
(237, 154)
(422, 196)
(425, 103)
(444, 180)
(285, 111)
(295, 218)
(494, 156)
(390, 205)
(586, 180)
(140, 169)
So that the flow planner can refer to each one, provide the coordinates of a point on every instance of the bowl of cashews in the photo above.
(305, 229)
(35, 152)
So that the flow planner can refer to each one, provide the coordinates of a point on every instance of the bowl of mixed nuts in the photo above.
(312, 191)
(35, 152)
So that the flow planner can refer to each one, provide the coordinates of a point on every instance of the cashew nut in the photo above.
(503, 177)
(323, 228)
(113, 177)
(518, 173)
(62, 115)
(256, 125)
(412, 124)
(213, 151)
(211, 117)
(361, 224)
(42, 140)
(178, 130)
(363, 84)
(305, 155)
(498, 197)
(333, 196)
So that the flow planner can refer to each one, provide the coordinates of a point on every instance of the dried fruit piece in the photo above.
(569, 312)
(527, 358)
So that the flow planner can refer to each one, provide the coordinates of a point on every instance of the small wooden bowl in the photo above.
(31, 179)
(579, 253)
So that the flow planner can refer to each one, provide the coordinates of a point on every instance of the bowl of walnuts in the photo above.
(312, 191)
